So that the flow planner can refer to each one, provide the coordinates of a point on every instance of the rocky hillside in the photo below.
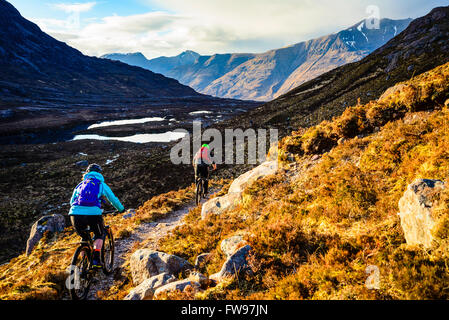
(422, 46)
(323, 224)
(46, 83)
(33, 64)
(267, 75)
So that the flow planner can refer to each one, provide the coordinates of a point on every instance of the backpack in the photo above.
(202, 156)
(88, 192)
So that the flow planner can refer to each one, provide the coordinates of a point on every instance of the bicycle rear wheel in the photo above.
(107, 252)
(80, 277)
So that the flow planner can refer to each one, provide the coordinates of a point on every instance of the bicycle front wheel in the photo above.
(80, 278)
(108, 252)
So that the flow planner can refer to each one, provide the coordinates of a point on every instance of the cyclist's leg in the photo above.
(80, 224)
(196, 169)
(205, 175)
(97, 226)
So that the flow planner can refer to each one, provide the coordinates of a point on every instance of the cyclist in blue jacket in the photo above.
(86, 208)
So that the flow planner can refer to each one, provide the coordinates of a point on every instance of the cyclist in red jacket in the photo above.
(201, 163)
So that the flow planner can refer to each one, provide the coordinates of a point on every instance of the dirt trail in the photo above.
(151, 233)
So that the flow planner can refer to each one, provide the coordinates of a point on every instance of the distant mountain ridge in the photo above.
(35, 66)
(268, 75)
(422, 46)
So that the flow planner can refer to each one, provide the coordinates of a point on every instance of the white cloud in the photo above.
(209, 26)
(74, 7)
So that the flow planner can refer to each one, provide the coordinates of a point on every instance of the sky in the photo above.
(169, 27)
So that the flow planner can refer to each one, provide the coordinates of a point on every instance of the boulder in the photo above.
(234, 196)
(145, 290)
(146, 263)
(52, 223)
(82, 163)
(390, 92)
(230, 245)
(220, 204)
(235, 264)
(244, 180)
(180, 285)
(415, 211)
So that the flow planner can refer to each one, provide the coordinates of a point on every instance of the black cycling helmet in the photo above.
(94, 167)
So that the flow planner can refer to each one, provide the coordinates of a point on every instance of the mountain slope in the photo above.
(275, 72)
(314, 226)
(422, 46)
(33, 65)
(267, 75)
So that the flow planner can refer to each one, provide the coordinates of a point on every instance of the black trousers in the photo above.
(202, 171)
(95, 223)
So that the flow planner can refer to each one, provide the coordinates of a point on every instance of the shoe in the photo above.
(96, 261)
(96, 264)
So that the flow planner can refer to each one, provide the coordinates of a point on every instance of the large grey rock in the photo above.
(146, 263)
(180, 285)
(234, 265)
(234, 196)
(220, 204)
(146, 289)
(230, 245)
(244, 180)
(415, 211)
(82, 163)
(51, 223)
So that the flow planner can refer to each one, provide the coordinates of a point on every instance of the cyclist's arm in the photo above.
(113, 200)
(74, 195)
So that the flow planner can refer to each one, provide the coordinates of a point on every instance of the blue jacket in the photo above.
(104, 191)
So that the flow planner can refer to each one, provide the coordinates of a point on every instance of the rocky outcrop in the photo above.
(234, 196)
(146, 263)
(416, 211)
(180, 285)
(51, 223)
(146, 289)
(234, 265)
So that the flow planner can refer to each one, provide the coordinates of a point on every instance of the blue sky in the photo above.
(168, 27)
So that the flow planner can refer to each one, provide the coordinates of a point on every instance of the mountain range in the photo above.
(423, 45)
(45, 82)
(268, 75)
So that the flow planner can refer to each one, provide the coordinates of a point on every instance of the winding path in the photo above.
(149, 232)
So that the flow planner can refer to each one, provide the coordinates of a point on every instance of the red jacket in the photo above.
(202, 154)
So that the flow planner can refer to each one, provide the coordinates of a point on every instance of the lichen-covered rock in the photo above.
(146, 289)
(220, 204)
(180, 285)
(146, 263)
(415, 211)
(234, 196)
(244, 180)
(230, 245)
(235, 264)
(51, 223)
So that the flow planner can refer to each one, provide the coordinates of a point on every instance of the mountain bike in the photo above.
(81, 271)
(200, 189)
